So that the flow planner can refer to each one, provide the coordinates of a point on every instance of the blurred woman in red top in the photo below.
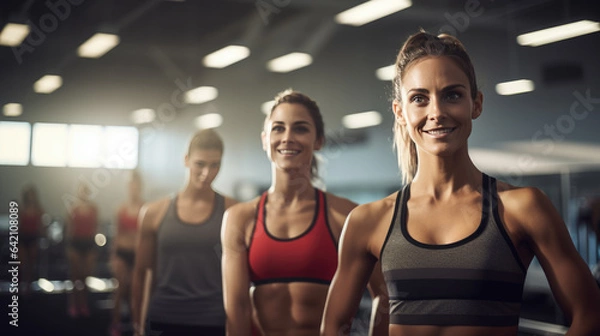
(123, 247)
(82, 225)
(30, 231)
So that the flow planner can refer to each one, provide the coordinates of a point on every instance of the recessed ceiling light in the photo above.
(386, 73)
(226, 56)
(13, 109)
(98, 45)
(201, 94)
(47, 84)
(515, 87)
(289, 62)
(210, 120)
(267, 106)
(13, 34)
(362, 119)
(558, 33)
(143, 116)
(370, 11)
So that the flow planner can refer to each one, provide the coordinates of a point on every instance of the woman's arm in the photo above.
(145, 259)
(380, 321)
(355, 265)
(113, 246)
(236, 276)
(570, 278)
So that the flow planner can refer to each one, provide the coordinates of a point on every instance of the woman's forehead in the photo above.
(290, 113)
(433, 71)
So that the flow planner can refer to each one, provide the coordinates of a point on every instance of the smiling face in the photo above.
(437, 108)
(290, 137)
(203, 165)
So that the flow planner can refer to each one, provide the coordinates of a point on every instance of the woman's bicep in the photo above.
(235, 257)
(568, 275)
(145, 255)
(355, 264)
(236, 278)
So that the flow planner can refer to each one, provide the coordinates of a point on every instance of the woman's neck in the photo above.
(189, 192)
(288, 187)
(442, 176)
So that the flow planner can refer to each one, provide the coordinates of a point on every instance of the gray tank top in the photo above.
(477, 281)
(187, 282)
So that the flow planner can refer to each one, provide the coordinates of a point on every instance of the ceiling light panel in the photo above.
(558, 33)
(371, 11)
(289, 62)
(515, 87)
(98, 45)
(201, 94)
(362, 119)
(13, 34)
(226, 56)
(47, 84)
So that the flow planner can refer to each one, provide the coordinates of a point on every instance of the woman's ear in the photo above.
(477, 105)
(263, 139)
(397, 108)
(319, 143)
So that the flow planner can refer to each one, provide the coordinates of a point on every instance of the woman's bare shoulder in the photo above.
(243, 211)
(528, 206)
(374, 213)
(377, 207)
(152, 213)
(339, 204)
(520, 196)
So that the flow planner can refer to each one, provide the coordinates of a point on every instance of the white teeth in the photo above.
(440, 131)
(288, 151)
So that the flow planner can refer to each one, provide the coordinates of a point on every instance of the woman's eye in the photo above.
(418, 99)
(453, 95)
(301, 129)
(277, 128)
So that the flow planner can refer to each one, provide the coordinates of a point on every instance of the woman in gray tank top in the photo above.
(178, 256)
(454, 244)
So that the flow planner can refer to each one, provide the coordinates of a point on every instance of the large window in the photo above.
(85, 146)
(63, 145)
(49, 148)
(14, 143)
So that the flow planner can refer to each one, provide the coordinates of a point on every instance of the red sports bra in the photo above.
(31, 222)
(127, 222)
(84, 223)
(309, 257)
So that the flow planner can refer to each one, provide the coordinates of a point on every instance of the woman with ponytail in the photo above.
(454, 243)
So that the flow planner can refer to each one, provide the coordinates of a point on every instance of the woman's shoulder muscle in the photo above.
(238, 221)
(527, 209)
(152, 213)
(338, 209)
(371, 221)
(242, 212)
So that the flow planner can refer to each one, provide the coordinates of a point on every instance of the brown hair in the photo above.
(294, 97)
(206, 139)
(417, 46)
